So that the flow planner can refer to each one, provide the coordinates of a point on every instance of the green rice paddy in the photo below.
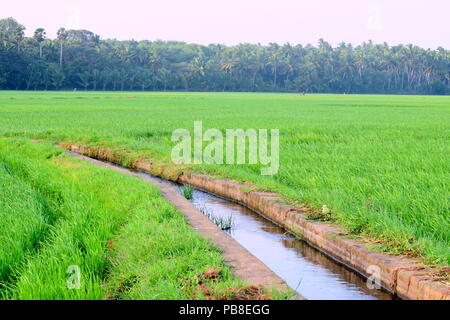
(380, 163)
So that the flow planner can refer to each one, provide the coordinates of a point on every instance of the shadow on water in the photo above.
(305, 269)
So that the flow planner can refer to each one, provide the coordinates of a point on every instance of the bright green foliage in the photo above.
(128, 242)
(22, 221)
(380, 163)
(188, 191)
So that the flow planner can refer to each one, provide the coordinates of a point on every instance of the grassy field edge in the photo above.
(378, 162)
(169, 171)
(126, 240)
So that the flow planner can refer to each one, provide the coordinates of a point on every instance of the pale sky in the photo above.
(422, 22)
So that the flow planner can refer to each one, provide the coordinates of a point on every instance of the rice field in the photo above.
(70, 230)
(379, 163)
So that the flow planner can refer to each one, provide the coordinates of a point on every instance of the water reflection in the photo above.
(305, 269)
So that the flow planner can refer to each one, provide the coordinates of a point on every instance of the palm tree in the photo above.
(274, 61)
(39, 36)
(62, 37)
(85, 79)
(11, 32)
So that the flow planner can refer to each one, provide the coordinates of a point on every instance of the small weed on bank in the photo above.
(224, 223)
(188, 191)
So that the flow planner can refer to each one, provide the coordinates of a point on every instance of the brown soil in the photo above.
(250, 292)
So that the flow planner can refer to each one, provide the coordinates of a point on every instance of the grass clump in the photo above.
(188, 191)
(224, 223)
(22, 223)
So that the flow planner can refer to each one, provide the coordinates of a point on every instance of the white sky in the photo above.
(422, 22)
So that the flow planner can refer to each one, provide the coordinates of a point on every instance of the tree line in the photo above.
(81, 59)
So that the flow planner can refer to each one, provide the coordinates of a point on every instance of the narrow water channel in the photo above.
(305, 269)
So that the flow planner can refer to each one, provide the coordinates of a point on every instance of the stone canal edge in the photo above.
(406, 277)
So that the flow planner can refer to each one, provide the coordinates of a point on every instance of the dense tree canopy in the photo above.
(80, 59)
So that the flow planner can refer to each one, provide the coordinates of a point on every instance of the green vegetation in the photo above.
(379, 163)
(80, 59)
(224, 223)
(188, 191)
(57, 212)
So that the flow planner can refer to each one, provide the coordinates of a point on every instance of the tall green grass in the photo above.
(22, 222)
(128, 243)
(380, 163)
